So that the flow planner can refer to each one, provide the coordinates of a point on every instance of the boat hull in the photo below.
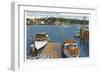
(40, 44)
(72, 53)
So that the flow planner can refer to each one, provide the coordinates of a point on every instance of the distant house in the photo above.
(30, 20)
(57, 22)
(42, 22)
(37, 21)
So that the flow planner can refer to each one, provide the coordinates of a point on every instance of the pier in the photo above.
(84, 35)
(53, 50)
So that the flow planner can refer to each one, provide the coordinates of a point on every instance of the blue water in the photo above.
(57, 33)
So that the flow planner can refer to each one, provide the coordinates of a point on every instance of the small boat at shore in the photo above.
(71, 49)
(40, 40)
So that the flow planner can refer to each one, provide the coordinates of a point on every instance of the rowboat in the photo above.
(41, 39)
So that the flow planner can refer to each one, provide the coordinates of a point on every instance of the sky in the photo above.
(55, 14)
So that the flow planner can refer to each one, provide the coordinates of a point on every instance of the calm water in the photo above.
(57, 33)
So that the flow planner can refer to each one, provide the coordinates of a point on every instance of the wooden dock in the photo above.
(53, 50)
(84, 35)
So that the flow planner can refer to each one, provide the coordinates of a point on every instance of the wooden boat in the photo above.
(41, 39)
(71, 49)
